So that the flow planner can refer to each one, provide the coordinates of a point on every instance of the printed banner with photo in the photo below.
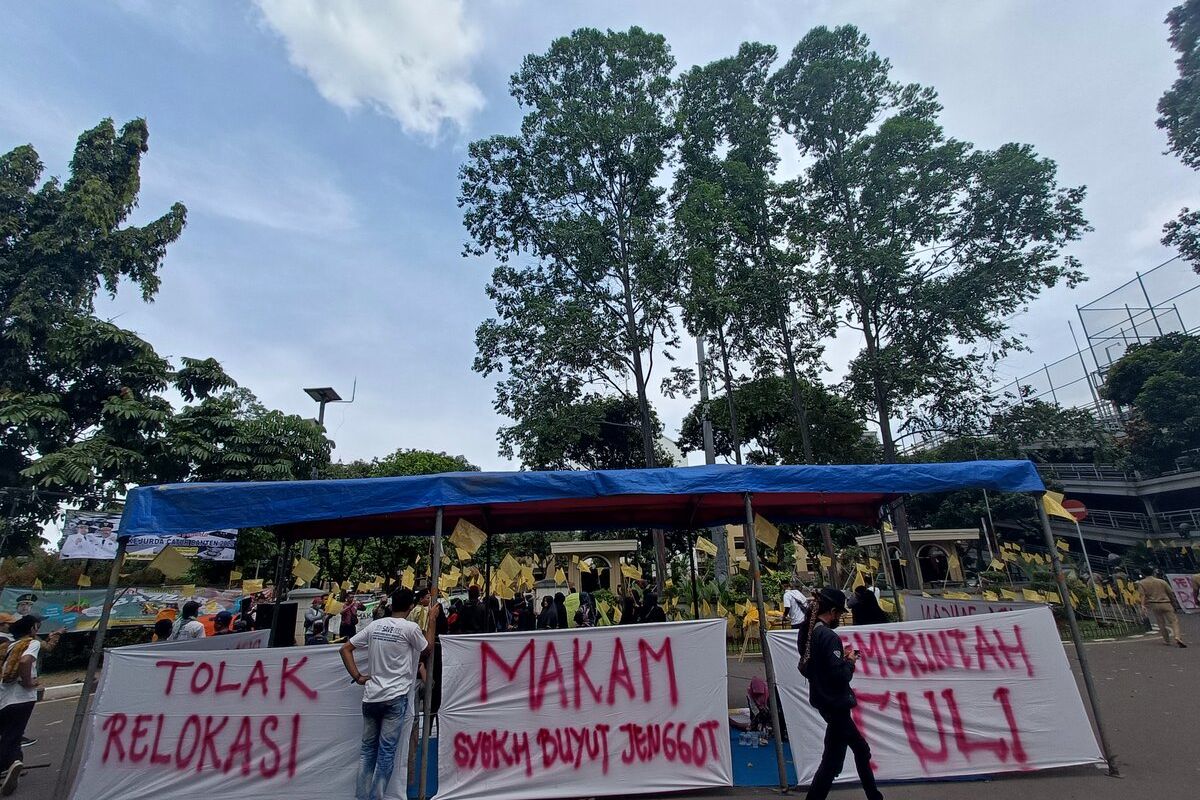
(971, 695)
(93, 534)
(79, 609)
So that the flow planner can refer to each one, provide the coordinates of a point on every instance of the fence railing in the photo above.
(1087, 472)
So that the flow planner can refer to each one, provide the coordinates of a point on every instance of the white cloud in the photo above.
(410, 59)
(258, 180)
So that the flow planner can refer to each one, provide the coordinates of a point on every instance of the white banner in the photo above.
(1181, 585)
(590, 711)
(228, 724)
(93, 534)
(965, 696)
(248, 640)
(918, 607)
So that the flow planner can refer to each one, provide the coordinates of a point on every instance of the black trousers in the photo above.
(13, 719)
(842, 733)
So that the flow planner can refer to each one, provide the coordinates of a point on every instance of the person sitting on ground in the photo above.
(651, 610)
(187, 626)
(222, 623)
(317, 635)
(758, 709)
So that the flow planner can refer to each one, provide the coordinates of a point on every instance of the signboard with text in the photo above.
(578, 713)
(920, 607)
(93, 534)
(960, 696)
(230, 724)
(1185, 592)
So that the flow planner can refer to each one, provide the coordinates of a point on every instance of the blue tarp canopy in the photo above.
(508, 502)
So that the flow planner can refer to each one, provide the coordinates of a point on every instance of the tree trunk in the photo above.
(721, 567)
(734, 434)
(912, 574)
(806, 442)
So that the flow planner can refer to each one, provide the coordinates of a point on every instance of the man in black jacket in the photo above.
(829, 668)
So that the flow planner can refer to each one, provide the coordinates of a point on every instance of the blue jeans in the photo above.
(381, 734)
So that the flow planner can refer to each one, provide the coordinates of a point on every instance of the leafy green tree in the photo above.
(594, 432)
(1159, 384)
(769, 422)
(1179, 116)
(353, 559)
(572, 208)
(926, 245)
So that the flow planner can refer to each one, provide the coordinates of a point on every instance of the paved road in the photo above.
(1150, 697)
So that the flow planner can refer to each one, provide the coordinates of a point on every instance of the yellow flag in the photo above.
(170, 562)
(234, 575)
(364, 587)
(874, 562)
(467, 537)
(991, 597)
(887, 605)
(84, 580)
(252, 585)
(904, 562)
(887, 527)
(585, 566)
(37, 583)
(509, 567)
(604, 607)
(824, 561)
(704, 545)
(956, 596)
(858, 577)
(705, 609)
(1032, 596)
(997, 565)
(408, 578)
(333, 606)
(1052, 502)
(187, 591)
(304, 570)
(739, 609)
(463, 555)
(631, 572)
(560, 577)
(1007, 595)
(1052, 596)
(765, 532)
(1062, 545)
(721, 612)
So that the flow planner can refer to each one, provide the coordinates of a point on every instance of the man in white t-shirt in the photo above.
(187, 626)
(394, 649)
(795, 603)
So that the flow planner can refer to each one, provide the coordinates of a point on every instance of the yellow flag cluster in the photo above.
(467, 537)
(170, 562)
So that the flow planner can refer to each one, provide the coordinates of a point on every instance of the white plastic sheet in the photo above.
(936, 698)
(584, 712)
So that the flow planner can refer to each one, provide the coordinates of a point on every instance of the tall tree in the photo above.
(1159, 383)
(572, 209)
(926, 244)
(1179, 116)
(770, 426)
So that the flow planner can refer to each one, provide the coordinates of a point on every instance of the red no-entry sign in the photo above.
(1076, 509)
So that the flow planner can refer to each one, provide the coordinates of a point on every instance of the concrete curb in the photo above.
(64, 691)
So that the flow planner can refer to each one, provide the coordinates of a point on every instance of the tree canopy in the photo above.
(1179, 116)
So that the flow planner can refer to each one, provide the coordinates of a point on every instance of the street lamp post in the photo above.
(323, 396)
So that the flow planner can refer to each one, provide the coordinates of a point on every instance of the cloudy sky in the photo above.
(316, 146)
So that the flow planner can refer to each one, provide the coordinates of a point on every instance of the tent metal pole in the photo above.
(281, 566)
(63, 785)
(1076, 636)
(487, 563)
(692, 566)
(887, 571)
(435, 574)
(768, 663)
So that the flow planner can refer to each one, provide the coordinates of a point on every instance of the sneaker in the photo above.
(27, 742)
(1181, 644)
(9, 784)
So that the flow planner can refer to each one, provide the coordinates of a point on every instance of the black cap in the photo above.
(834, 597)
